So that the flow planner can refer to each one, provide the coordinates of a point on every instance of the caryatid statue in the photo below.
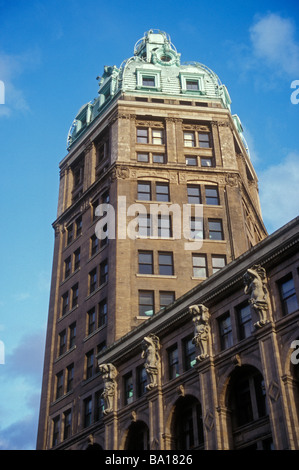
(201, 318)
(150, 352)
(109, 374)
(255, 281)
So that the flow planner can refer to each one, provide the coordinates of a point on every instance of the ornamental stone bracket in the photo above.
(255, 281)
(150, 352)
(201, 317)
(109, 373)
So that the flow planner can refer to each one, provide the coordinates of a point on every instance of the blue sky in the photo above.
(51, 52)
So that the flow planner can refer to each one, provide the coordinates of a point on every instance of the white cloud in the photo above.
(279, 192)
(273, 41)
(11, 68)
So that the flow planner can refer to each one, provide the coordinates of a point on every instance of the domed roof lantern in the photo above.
(152, 41)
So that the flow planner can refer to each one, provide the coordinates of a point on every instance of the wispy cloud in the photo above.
(273, 41)
(279, 192)
(12, 67)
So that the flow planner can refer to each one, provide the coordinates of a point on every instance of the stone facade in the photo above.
(118, 286)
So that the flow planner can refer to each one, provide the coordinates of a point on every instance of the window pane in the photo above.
(199, 266)
(173, 363)
(206, 161)
(244, 318)
(193, 194)
(142, 136)
(144, 191)
(157, 136)
(218, 262)
(215, 230)
(211, 195)
(166, 298)
(192, 85)
(196, 228)
(165, 264)
(189, 354)
(162, 192)
(146, 262)
(225, 329)
(159, 158)
(288, 295)
(148, 81)
(203, 140)
(143, 157)
(145, 226)
(191, 161)
(189, 139)
(164, 226)
(146, 303)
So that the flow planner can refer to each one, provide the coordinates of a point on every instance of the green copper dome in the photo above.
(154, 69)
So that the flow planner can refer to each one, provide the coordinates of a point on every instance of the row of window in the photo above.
(196, 194)
(151, 135)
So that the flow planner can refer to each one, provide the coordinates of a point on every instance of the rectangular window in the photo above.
(162, 192)
(166, 264)
(67, 267)
(204, 140)
(141, 381)
(70, 378)
(87, 412)
(196, 228)
(59, 385)
(164, 226)
(166, 298)
(157, 136)
(67, 424)
(145, 225)
(215, 229)
(70, 234)
(75, 294)
(193, 192)
(94, 245)
(103, 310)
(206, 161)
(78, 224)
(244, 321)
(77, 259)
(65, 303)
(144, 191)
(173, 362)
(92, 280)
(62, 343)
(145, 261)
(189, 353)
(143, 157)
(91, 321)
(146, 303)
(56, 431)
(142, 136)
(89, 364)
(189, 139)
(158, 158)
(192, 85)
(72, 335)
(218, 262)
(212, 197)
(99, 405)
(128, 388)
(191, 161)
(148, 81)
(225, 331)
(288, 295)
(104, 272)
(199, 263)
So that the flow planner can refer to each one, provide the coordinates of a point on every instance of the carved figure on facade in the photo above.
(150, 352)
(109, 374)
(201, 317)
(255, 281)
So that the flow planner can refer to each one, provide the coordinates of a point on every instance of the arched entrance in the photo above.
(247, 404)
(187, 425)
(137, 437)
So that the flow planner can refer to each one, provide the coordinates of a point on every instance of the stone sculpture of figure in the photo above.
(255, 281)
(109, 374)
(150, 352)
(201, 318)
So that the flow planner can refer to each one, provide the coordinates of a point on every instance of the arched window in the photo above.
(248, 406)
(138, 437)
(187, 424)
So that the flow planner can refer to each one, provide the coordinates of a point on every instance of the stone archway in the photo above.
(186, 424)
(137, 436)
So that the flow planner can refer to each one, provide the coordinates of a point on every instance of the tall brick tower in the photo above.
(160, 133)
